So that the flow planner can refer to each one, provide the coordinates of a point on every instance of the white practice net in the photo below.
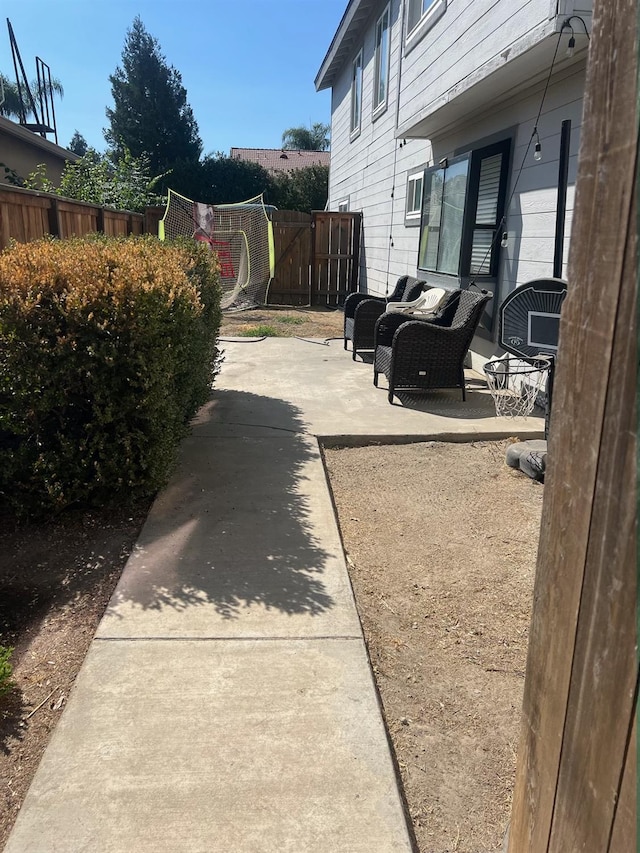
(240, 234)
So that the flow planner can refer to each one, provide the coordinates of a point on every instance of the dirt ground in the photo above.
(441, 543)
(284, 322)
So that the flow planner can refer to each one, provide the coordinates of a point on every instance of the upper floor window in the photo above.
(414, 198)
(356, 94)
(381, 77)
(462, 208)
(417, 9)
(422, 15)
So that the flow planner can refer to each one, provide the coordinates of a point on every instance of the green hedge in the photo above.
(107, 349)
(6, 670)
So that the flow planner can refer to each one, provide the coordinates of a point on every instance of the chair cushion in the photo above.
(447, 311)
(427, 303)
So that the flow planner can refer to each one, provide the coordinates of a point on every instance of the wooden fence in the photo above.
(576, 777)
(26, 215)
(316, 257)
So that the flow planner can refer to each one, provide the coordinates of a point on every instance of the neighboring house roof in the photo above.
(22, 150)
(34, 140)
(349, 29)
(279, 159)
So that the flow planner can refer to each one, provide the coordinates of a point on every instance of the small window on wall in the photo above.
(343, 206)
(381, 76)
(414, 198)
(356, 94)
(417, 10)
(463, 204)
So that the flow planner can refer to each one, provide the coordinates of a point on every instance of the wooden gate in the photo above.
(316, 257)
(334, 264)
(292, 245)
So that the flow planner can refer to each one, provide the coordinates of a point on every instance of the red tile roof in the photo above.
(281, 160)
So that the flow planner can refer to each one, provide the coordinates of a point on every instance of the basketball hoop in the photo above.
(515, 384)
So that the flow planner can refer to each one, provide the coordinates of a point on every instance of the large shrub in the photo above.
(107, 349)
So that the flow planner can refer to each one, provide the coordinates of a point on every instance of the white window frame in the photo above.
(343, 205)
(357, 72)
(420, 21)
(413, 215)
(381, 61)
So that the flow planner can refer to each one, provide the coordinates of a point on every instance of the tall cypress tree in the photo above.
(150, 115)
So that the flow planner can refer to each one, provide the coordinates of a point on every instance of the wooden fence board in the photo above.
(315, 257)
(335, 256)
(27, 215)
(603, 678)
(624, 834)
(292, 247)
(585, 551)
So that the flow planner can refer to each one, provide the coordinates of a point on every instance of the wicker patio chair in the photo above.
(421, 354)
(362, 310)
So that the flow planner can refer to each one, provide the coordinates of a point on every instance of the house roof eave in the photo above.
(34, 139)
(356, 13)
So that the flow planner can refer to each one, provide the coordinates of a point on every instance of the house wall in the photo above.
(370, 170)
(470, 53)
(531, 212)
(19, 154)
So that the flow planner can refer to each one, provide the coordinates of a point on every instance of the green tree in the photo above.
(125, 184)
(315, 138)
(218, 179)
(301, 189)
(10, 107)
(78, 144)
(151, 115)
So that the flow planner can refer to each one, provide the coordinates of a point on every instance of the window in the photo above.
(417, 8)
(356, 94)
(421, 16)
(343, 205)
(381, 78)
(414, 198)
(462, 208)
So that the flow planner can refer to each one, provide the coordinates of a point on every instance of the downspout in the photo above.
(561, 203)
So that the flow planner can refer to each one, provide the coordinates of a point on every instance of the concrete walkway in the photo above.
(226, 704)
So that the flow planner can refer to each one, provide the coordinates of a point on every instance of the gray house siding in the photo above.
(476, 74)
(368, 169)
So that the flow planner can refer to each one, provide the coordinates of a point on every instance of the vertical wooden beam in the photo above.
(53, 214)
(582, 668)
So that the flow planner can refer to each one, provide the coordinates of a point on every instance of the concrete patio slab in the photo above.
(286, 383)
(226, 704)
(217, 746)
(242, 543)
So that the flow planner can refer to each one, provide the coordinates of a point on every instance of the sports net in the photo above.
(240, 234)
(515, 384)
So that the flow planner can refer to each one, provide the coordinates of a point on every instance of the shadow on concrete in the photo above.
(448, 403)
(233, 528)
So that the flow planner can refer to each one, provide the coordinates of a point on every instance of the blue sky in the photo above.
(248, 65)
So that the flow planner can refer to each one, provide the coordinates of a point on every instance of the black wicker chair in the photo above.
(362, 310)
(420, 354)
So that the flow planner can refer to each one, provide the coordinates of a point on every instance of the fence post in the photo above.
(54, 218)
(575, 780)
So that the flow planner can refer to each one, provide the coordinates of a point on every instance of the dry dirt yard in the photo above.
(441, 542)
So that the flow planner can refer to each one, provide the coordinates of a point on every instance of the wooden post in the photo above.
(577, 756)
(53, 215)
